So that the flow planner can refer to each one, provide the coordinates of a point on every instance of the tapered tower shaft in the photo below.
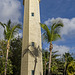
(31, 46)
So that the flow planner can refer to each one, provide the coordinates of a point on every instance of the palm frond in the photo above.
(18, 26)
(52, 33)
(52, 27)
(47, 31)
(58, 25)
(2, 24)
(5, 24)
(44, 37)
(9, 30)
(9, 23)
(5, 36)
(56, 37)
(56, 55)
(54, 52)
(8, 26)
(44, 26)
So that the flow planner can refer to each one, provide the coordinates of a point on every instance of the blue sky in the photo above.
(65, 10)
(57, 8)
(50, 10)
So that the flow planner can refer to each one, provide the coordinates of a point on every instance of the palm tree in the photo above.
(51, 34)
(9, 31)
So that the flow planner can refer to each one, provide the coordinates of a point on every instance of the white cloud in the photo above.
(9, 9)
(72, 50)
(69, 25)
(48, 22)
(61, 49)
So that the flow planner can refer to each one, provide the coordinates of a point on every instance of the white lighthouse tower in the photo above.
(31, 61)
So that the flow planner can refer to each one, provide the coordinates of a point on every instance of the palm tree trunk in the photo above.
(51, 46)
(45, 68)
(8, 47)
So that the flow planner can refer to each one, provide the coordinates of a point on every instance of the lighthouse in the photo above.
(31, 60)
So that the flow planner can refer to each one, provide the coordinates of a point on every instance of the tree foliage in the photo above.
(15, 55)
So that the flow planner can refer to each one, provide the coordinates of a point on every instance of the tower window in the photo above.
(33, 44)
(32, 14)
(32, 72)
